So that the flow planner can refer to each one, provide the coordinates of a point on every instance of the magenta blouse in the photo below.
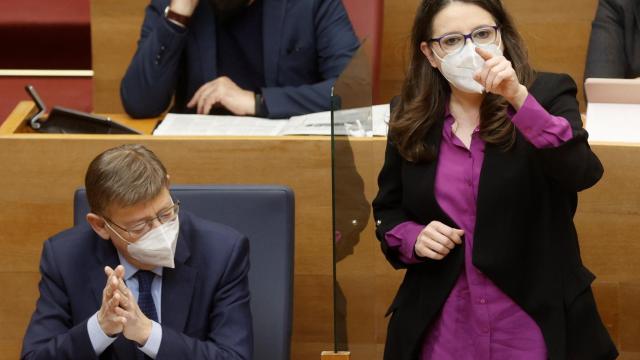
(478, 321)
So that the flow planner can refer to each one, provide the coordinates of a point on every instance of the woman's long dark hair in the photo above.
(425, 90)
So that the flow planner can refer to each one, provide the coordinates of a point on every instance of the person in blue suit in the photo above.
(266, 58)
(140, 279)
(614, 44)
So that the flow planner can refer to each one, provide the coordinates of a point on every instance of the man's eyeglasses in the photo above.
(163, 216)
(454, 42)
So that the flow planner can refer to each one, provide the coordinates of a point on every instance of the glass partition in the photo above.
(359, 323)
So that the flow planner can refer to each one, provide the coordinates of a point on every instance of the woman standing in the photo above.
(477, 195)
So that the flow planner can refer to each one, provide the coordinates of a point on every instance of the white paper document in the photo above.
(189, 124)
(360, 122)
(613, 122)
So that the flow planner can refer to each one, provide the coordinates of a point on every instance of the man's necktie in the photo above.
(145, 300)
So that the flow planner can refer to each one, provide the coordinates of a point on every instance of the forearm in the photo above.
(572, 164)
(402, 239)
(540, 128)
(287, 101)
(149, 83)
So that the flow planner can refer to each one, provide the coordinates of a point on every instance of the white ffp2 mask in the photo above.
(459, 68)
(157, 247)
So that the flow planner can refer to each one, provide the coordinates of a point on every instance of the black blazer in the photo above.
(525, 239)
(614, 46)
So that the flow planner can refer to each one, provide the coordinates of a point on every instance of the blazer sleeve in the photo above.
(149, 83)
(335, 44)
(572, 165)
(231, 334)
(387, 206)
(606, 55)
(50, 334)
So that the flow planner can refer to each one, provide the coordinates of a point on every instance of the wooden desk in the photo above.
(40, 173)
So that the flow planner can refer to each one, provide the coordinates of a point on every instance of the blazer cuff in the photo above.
(170, 39)
(175, 27)
(540, 128)
(403, 238)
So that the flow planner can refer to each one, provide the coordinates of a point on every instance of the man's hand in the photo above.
(436, 240)
(137, 327)
(183, 7)
(110, 322)
(223, 92)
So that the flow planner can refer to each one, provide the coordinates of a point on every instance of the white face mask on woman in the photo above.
(459, 68)
(157, 247)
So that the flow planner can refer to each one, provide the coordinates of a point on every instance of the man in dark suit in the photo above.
(614, 46)
(138, 281)
(268, 58)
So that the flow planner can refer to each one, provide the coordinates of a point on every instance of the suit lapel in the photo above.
(503, 175)
(106, 255)
(177, 286)
(434, 138)
(424, 176)
(637, 11)
(486, 189)
(273, 12)
(490, 165)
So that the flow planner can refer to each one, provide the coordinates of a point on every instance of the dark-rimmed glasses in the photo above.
(454, 42)
(163, 216)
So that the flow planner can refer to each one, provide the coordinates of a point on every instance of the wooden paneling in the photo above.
(556, 34)
(115, 29)
(396, 35)
(629, 321)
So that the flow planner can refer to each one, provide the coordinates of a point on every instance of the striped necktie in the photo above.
(145, 300)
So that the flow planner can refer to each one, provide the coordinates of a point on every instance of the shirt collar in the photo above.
(130, 270)
(447, 131)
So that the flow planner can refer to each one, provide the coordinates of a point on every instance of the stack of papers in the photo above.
(609, 122)
(613, 111)
(360, 122)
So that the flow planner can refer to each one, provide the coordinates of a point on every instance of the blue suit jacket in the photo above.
(307, 44)
(205, 298)
(614, 45)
